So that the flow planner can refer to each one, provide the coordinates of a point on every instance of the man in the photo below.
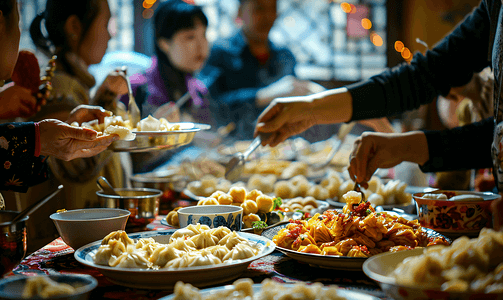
(245, 72)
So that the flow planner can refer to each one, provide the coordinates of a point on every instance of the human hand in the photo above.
(379, 125)
(115, 82)
(65, 142)
(86, 113)
(285, 117)
(171, 108)
(18, 101)
(373, 150)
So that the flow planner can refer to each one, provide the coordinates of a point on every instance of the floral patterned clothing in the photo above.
(20, 167)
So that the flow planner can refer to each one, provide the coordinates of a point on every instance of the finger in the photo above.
(78, 133)
(362, 157)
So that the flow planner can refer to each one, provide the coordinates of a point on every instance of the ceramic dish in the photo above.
(159, 140)
(328, 261)
(456, 217)
(380, 266)
(256, 288)
(166, 279)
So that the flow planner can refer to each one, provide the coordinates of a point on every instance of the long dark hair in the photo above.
(172, 16)
(7, 6)
(54, 17)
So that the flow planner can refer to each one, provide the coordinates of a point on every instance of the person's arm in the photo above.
(461, 148)
(20, 160)
(451, 63)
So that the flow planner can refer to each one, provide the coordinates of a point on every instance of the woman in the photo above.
(25, 146)
(181, 49)
(77, 32)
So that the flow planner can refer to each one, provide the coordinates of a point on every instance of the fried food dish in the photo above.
(356, 232)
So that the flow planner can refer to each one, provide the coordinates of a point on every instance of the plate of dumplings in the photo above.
(196, 254)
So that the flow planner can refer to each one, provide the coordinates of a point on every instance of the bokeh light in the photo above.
(148, 13)
(376, 40)
(147, 4)
(353, 9)
(346, 7)
(366, 23)
(399, 46)
(406, 54)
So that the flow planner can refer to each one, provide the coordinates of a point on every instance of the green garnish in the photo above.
(277, 203)
(369, 211)
(259, 225)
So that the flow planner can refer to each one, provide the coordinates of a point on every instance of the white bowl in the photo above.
(83, 226)
(13, 287)
(214, 216)
(379, 268)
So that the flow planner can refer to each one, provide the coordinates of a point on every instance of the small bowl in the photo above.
(13, 287)
(83, 226)
(214, 216)
(143, 203)
(455, 217)
(12, 241)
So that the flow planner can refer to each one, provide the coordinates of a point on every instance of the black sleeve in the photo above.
(460, 148)
(450, 63)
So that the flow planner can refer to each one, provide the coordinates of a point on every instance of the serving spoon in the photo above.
(30, 209)
(234, 168)
(133, 111)
(106, 186)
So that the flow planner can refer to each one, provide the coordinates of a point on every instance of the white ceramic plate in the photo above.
(379, 267)
(256, 288)
(329, 261)
(166, 279)
(159, 140)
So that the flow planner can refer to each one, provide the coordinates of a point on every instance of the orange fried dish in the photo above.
(358, 231)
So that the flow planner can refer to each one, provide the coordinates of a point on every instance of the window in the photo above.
(329, 43)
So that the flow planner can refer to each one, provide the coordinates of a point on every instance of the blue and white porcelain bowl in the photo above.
(214, 216)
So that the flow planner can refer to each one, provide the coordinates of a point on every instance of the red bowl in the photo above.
(458, 217)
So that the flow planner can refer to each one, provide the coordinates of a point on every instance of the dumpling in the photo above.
(185, 291)
(124, 133)
(130, 259)
(204, 239)
(182, 244)
(220, 232)
(182, 261)
(163, 254)
(205, 259)
(231, 240)
(119, 235)
(147, 246)
(189, 231)
(253, 194)
(249, 207)
(241, 251)
(238, 194)
(218, 250)
(149, 124)
(114, 248)
(264, 203)
(249, 219)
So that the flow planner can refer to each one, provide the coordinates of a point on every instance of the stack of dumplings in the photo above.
(194, 245)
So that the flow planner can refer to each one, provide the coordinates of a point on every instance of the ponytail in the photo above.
(38, 38)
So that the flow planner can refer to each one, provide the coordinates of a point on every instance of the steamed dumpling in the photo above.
(218, 250)
(204, 239)
(182, 244)
(220, 232)
(113, 248)
(119, 235)
(241, 251)
(124, 133)
(231, 240)
(189, 231)
(149, 124)
(130, 259)
(164, 254)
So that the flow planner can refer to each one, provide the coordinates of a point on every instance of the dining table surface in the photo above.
(58, 258)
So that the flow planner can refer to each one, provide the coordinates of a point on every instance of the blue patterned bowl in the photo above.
(214, 216)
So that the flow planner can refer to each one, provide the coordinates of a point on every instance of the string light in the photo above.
(148, 13)
(147, 5)
(366, 23)
(346, 7)
(376, 39)
(406, 54)
(399, 46)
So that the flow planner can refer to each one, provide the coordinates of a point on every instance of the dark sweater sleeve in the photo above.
(20, 168)
(450, 63)
(460, 148)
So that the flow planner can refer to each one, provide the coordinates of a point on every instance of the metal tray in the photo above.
(159, 140)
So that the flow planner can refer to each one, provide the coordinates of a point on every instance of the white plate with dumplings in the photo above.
(163, 278)
(160, 140)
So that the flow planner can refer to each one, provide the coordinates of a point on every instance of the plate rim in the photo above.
(333, 259)
(86, 249)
